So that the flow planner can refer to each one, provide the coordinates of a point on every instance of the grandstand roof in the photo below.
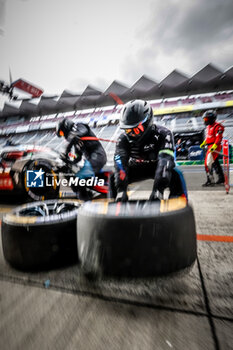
(229, 72)
(208, 79)
(27, 107)
(66, 94)
(174, 79)
(90, 90)
(116, 88)
(207, 73)
(144, 83)
(9, 110)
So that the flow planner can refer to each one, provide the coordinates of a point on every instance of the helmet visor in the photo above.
(135, 132)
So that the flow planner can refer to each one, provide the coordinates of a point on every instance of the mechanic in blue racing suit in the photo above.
(93, 151)
(143, 151)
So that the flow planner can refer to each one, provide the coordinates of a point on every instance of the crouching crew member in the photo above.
(93, 151)
(143, 151)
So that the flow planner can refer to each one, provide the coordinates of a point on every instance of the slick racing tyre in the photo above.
(41, 235)
(50, 189)
(137, 238)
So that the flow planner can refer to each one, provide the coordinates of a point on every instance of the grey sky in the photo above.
(186, 35)
(68, 44)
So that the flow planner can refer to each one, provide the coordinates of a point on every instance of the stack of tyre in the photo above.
(106, 238)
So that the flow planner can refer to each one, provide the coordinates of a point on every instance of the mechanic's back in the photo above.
(91, 149)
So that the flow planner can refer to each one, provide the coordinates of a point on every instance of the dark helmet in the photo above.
(209, 117)
(64, 127)
(136, 118)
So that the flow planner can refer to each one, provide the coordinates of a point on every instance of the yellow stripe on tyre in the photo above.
(20, 219)
(55, 179)
(172, 204)
(25, 181)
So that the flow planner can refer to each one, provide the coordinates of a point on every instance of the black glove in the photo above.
(155, 196)
(163, 173)
(162, 183)
(122, 197)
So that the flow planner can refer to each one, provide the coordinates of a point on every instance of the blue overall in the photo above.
(86, 171)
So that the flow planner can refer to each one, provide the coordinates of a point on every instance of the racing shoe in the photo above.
(84, 195)
(220, 181)
(209, 182)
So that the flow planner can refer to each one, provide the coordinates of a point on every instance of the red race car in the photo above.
(8, 156)
(18, 160)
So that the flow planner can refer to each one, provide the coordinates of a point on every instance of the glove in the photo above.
(155, 196)
(122, 197)
(213, 148)
(122, 175)
(163, 173)
(162, 183)
(202, 145)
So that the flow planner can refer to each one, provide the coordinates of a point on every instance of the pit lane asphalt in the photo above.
(60, 309)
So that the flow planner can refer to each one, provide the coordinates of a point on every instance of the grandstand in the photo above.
(177, 102)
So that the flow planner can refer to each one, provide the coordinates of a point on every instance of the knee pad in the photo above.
(86, 171)
(209, 160)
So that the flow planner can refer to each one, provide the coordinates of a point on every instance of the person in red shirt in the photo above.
(213, 140)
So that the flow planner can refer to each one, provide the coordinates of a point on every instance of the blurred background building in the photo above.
(178, 103)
